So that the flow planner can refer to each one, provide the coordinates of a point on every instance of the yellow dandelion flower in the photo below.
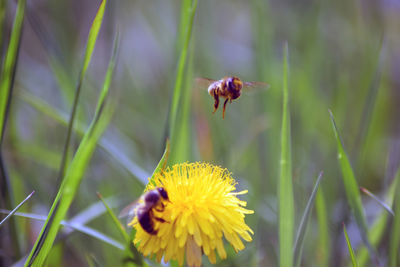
(202, 208)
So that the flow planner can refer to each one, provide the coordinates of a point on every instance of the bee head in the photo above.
(163, 193)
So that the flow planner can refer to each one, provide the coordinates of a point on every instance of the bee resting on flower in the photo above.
(201, 209)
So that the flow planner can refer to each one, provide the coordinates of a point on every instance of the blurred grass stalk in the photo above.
(6, 85)
(70, 226)
(285, 186)
(92, 38)
(324, 245)
(394, 258)
(377, 200)
(79, 128)
(182, 149)
(56, 58)
(379, 226)
(301, 232)
(352, 190)
(71, 181)
(73, 176)
(130, 251)
(351, 251)
(179, 132)
(9, 66)
(3, 8)
(16, 208)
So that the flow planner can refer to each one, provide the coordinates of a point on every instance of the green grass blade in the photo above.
(74, 174)
(82, 218)
(177, 93)
(323, 248)
(351, 251)
(378, 228)
(380, 202)
(3, 8)
(109, 74)
(93, 211)
(163, 161)
(394, 259)
(17, 207)
(7, 197)
(68, 189)
(184, 20)
(361, 142)
(72, 225)
(93, 261)
(7, 76)
(131, 252)
(351, 188)
(39, 153)
(9, 67)
(92, 38)
(182, 149)
(48, 110)
(95, 234)
(79, 128)
(285, 186)
(114, 218)
(375, 234)
(298, 244)
(55, 57)
(93, 33)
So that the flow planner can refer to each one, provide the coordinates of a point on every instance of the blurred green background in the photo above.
(343, 56)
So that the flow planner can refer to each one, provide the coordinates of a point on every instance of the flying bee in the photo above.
(144, 209)
(229, 88)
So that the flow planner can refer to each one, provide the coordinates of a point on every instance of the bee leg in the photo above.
(216, 103)
(160, 209)
(223, 110)
(160, 219)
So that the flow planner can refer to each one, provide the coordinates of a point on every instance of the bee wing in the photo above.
(129, 211)
(203, 83)
(255, 86)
